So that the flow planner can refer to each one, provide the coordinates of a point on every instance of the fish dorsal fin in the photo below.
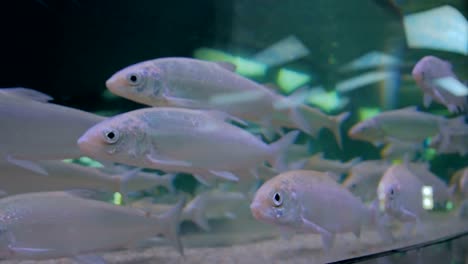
(29, 94)
(318, 155)
(409, 108)
(331, 175)
(226, 65)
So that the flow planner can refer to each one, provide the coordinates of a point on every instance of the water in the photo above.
(341, 56)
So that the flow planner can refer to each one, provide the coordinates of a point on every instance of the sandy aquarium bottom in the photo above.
(440, 238)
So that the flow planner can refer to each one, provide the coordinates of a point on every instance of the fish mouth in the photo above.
(85, 145)
(256, 210)
(353, 133)
(113, 84)
(110, 83)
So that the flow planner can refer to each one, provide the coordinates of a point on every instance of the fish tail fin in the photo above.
(335, 126)
(168, 224)
(196, 215)
(305, 117)
(278, 150)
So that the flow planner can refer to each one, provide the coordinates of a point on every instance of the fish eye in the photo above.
(277, 199)
(111, 136)
(134, 78)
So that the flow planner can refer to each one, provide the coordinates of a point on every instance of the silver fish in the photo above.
(364, 178)
(182, 140)
(196, 84)
(207, 205)
(62, 224)
(426, 72)
(33, 129)
(64, 176)
(213, 204)
(307, 201)
(400, 194)
(406, 124)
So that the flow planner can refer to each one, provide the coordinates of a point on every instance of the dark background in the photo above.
(68, 48)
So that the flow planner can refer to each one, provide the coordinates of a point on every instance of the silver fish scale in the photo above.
(178, 120)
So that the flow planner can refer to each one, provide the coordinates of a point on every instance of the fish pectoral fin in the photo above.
(427, 100)
(90, 259)
(160, 162)
(180, 102)
(327, 237)
(225, 175)
(28, 165)
(406, 215)
(223, 116)
(29, 251)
